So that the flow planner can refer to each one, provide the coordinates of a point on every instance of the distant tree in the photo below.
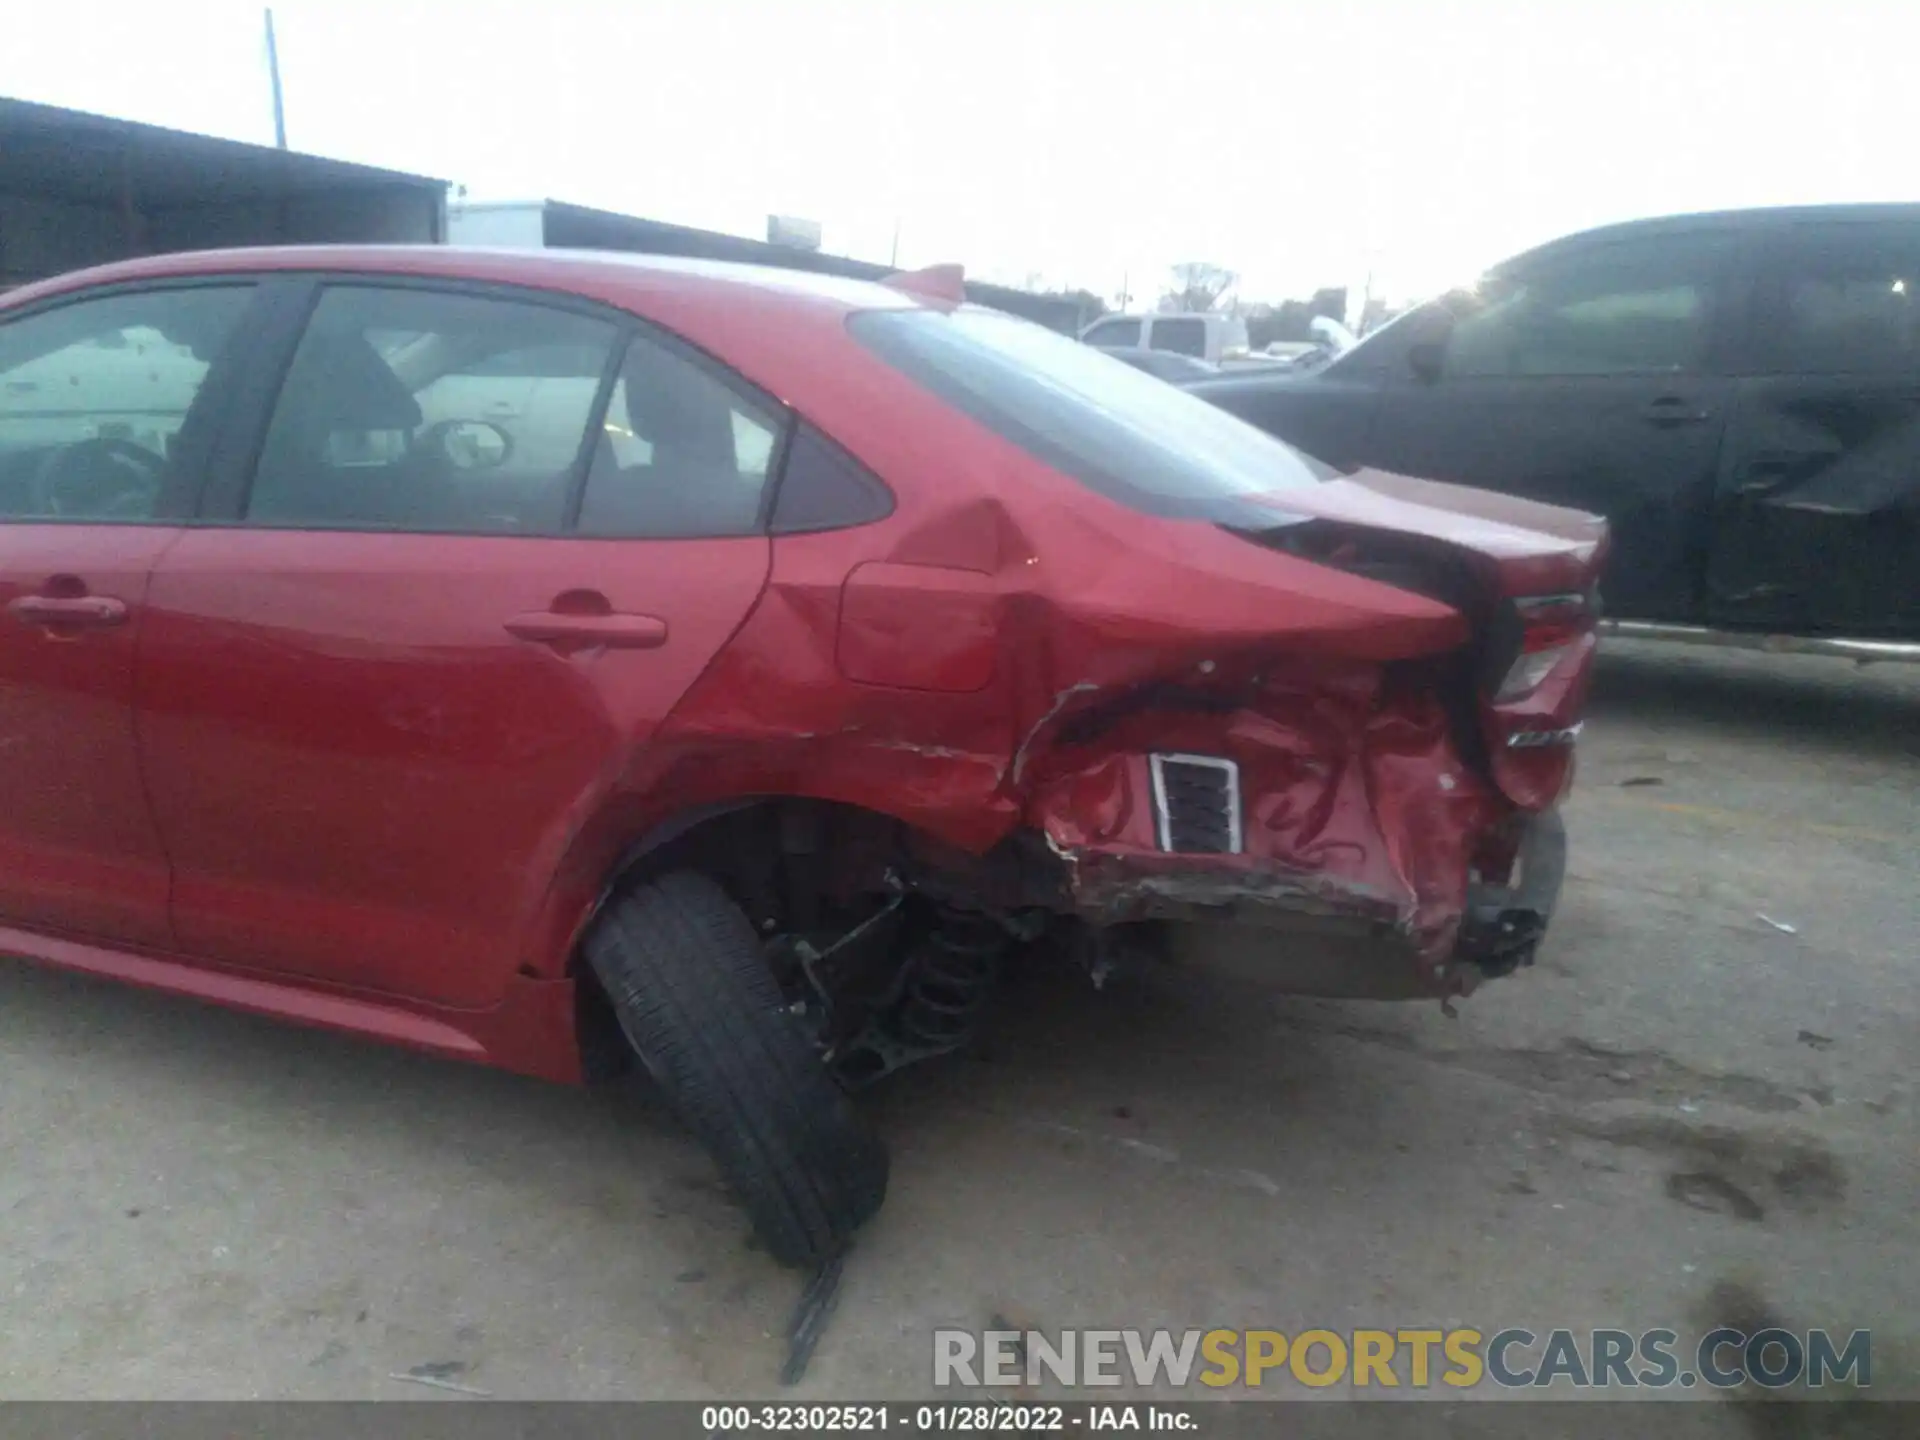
(1090, 305)
(1331, 303)
(1263, 330)
(1287, 322)
(1291, 321)
(1198, 286)
(1377, 313)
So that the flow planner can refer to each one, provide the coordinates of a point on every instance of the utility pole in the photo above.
(273, 76)
(893, 260)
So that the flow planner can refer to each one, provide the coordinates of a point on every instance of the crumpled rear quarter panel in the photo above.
(935, 667)
(1355, 804)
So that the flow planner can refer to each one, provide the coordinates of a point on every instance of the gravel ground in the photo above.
(1686, 1105)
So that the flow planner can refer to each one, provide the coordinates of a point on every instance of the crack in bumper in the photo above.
(1495, 933)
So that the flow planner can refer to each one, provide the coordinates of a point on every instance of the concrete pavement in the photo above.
(1682, 1095)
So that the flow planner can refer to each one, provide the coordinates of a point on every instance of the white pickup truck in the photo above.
(1213, 338)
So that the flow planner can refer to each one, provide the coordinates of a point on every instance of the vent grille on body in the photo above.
(1196, 802)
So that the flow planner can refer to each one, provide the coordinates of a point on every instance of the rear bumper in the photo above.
(1342, 806)
(1504, 924)
(1315, 934)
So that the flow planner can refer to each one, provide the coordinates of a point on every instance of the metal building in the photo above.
(537, 224)
(79, 189)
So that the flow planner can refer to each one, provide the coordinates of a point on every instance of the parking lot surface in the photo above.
(1703, 1096)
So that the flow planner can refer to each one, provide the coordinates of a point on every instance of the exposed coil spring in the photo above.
(950, 979)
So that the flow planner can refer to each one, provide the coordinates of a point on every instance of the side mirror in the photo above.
(1425, 357)
(469, 444)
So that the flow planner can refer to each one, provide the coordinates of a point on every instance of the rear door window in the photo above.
(1125, 434)
(1181, 334)
(1842, 299)
(686, 452)
(421, 410)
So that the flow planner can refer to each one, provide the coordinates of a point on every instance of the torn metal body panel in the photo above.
(1816, 502)
(1350, 802)
(1034, 679)
(1276, 932)
(1367, 781)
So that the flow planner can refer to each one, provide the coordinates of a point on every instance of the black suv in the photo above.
(1738, 393)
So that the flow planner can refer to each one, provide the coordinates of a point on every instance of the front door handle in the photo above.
(74, 612)
(1675, 410)
(615, 632)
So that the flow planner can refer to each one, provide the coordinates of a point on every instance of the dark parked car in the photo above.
(1163, 364)
(549, 660)
(1738, 394)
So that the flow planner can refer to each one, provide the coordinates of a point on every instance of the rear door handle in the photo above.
(615, 632)
(1675, 410)
(77, 612)
(1764, 474)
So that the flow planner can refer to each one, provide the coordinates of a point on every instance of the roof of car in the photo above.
(592, 272)
(1731, 221)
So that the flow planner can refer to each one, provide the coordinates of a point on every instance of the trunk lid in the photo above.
(1528, 547)
(1524, 574)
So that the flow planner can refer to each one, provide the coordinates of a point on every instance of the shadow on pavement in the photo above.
(1831, 703)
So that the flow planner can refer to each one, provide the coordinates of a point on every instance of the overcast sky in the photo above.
(1298, 144)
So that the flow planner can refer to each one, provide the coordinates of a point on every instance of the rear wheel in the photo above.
(685, 972)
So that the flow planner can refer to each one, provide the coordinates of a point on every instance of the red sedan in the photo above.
(547, 660)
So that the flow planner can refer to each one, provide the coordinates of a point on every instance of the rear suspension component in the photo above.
(936, 1002)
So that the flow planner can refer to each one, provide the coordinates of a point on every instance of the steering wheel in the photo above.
(102, 478)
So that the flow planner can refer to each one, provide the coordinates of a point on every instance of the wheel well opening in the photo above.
(884, 941)
(781, 859)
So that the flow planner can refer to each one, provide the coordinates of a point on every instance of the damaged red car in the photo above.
(555, 661)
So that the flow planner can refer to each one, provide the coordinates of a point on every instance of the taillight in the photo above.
(1526, 673)
(1551, 627)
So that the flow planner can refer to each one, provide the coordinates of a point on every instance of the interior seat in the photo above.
(691, 483)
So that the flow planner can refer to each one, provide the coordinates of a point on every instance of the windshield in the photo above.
(1128, 435)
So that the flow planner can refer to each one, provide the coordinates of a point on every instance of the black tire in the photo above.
(684, 970)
